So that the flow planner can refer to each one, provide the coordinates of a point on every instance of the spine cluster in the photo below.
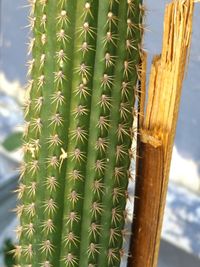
(78, 132)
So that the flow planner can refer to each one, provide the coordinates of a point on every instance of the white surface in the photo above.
(182, 219)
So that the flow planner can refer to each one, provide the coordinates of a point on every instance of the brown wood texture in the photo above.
(157, 132)
(148, 189)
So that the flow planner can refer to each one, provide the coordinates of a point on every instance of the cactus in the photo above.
(78, 132)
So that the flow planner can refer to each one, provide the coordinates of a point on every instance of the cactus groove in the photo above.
(77, 140)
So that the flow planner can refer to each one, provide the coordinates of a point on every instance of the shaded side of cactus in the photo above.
(8, 248)
(77, 139)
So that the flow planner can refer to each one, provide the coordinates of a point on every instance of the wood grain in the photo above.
(148, 189)
(157, 132)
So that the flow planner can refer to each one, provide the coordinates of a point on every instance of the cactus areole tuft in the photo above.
(78, 132)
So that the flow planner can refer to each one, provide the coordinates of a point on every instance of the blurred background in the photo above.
(180, 244)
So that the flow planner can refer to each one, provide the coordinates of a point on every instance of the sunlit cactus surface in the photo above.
(78, 132)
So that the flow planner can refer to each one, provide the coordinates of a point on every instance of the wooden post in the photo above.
(147, 191)
(157, 132)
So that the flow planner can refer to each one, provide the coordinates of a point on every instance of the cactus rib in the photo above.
(77, 140)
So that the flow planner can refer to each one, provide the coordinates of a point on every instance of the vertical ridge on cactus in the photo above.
(118, 154)
(77, 140)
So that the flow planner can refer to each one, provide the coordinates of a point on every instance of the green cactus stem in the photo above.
(78, 132)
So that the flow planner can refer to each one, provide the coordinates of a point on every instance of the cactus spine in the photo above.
(77, 140)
